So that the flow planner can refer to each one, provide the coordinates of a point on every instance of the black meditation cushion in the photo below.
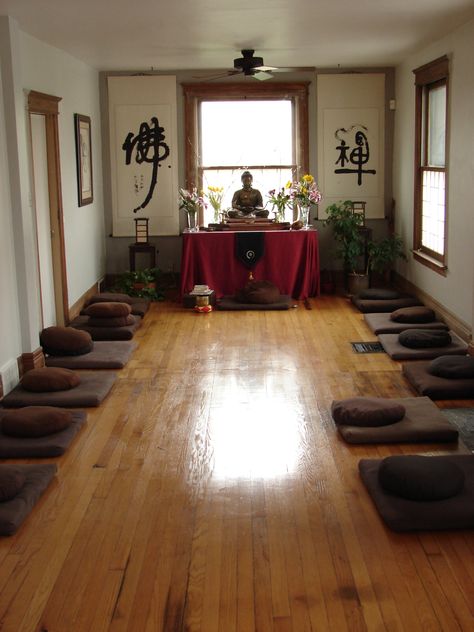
(112, 297)
(50, 379)
(259, 292)
(453, 367)
(108, 310)
(416, 314)
(366, 412)
(420, 477)
(65, 341)
(12, 480)
(117, 321)
(36, 421)
(424, 338)
(378, 294)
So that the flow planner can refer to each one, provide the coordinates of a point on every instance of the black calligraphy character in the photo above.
(358, 157)
(148, 142)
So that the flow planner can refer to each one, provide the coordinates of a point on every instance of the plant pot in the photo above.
(357, 282)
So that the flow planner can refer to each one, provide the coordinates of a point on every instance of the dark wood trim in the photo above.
(33, 360)
(40, 103)
(1, 387)
(75, 309)
(432, 71)
(430, 262)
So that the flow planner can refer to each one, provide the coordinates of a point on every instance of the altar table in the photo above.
(290, 261)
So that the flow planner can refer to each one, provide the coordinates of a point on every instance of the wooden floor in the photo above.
(210, 492)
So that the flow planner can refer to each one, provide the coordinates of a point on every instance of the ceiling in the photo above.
(208, 34)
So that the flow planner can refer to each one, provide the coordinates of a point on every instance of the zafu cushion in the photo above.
(36, 421)
(424, 338)
(417, 314)
(420, 477)
(366, 411)
(259, 292)
(112, 297)
(50, 379)
(11, 481)
(61, 341)
(453, 367)
(378, 294)
(108, 310)
(117, 321)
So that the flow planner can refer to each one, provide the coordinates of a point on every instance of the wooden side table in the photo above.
(147, 248)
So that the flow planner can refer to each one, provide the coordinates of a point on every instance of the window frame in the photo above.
(196, 93)
(428, 77)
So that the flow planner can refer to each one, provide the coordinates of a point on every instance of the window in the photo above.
(430, 164)
(233, 127)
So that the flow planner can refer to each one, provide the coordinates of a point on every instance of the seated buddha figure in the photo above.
(247, 202)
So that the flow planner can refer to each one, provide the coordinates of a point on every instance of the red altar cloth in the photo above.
(290, 261)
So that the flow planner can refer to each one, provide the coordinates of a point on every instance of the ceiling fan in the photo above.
(251, 66)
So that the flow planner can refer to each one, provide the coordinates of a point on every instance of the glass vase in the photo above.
(192, 222)
(304, 215)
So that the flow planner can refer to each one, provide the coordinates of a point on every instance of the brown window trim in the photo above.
(429, 75)
(194, 93)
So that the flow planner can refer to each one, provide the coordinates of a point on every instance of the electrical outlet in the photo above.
(10, 376)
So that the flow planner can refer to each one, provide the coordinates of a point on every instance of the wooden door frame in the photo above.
(48, 106)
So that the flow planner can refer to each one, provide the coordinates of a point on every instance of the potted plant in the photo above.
(141, 283)
(383, 254)
(346, 224)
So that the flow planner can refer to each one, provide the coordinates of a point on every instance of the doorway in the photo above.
(47, 200)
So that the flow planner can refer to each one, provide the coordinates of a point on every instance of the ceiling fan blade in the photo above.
(295, 69)
(220, 75)
(262, 75)
(265, 68)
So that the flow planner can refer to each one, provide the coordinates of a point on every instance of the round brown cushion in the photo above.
(376, 294)
(111, 297)
(11, 482)
(50, 379)
(259, 293)
(65, 341)
(36, 421)
(420, 477)
(453, 367)
(118, 321)
(366, 411)
(424, 338)
(108, 310)
(417, 314)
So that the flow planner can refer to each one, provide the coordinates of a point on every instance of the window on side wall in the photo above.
(431, 179)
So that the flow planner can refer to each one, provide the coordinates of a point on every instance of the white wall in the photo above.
(47, 69)
(456, 290)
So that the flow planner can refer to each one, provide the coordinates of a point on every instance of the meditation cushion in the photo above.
(378, 294)
(108, 310)
(49, 379)
(117, 321)
(420, 477)
(11, 482)
(112, 297)
(417, 314)
(366, 412)
(453, 367)
(258, 292)
(36, 421)
(424, 338)
(65, 341)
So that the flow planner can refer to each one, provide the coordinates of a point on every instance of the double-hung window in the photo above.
(430, 218)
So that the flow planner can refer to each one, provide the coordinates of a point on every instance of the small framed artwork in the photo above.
(84, 159)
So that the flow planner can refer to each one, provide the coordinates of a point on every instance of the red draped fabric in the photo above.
(291, 262)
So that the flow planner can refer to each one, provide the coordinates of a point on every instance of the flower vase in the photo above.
(304, 215)
(192, 222)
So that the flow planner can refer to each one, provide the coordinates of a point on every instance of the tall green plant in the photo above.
(345, 225)
(384, 253)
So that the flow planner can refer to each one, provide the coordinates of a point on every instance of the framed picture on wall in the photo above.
(84, 159)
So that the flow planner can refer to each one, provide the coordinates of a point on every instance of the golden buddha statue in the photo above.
(247, 202)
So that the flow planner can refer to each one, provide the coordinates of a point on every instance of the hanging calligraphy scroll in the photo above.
(143, 153)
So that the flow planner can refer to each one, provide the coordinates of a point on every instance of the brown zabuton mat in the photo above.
(423, 423)
(40, 447)
(139, 305)
(370, 305)
(401, 514)
(92, 390)
(104, 355)
(107, 333)
(436, 387)
(381, 323)
(13, 512)
(398, 351)
(229, 303)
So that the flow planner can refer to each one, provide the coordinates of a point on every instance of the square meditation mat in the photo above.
(107, 333)
(436, 387)
(381, 323)
(229, 303)
(104, 355)
(398, 352)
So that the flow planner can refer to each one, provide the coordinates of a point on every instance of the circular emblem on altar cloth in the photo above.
(250, 255)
